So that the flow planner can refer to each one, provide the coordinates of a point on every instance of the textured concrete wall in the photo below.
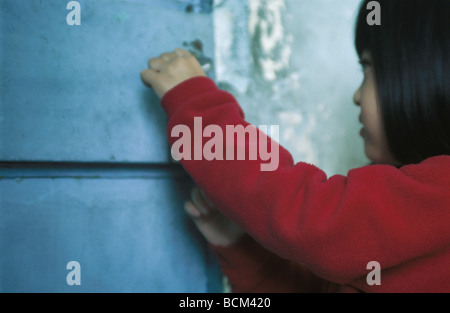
(292, 63)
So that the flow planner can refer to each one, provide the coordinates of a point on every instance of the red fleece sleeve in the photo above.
(252, 269)
(334, 226)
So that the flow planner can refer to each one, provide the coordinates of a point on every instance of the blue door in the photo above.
(85, 170)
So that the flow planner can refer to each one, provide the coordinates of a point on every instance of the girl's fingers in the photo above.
(206, 199)
(200, 202)
(197, 201)
(156, 64)
(168, 56)
(181, 52)
(192, 210)
(148, 76)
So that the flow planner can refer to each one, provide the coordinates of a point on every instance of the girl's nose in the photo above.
(357, 97)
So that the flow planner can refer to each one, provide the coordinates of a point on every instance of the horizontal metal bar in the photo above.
(89, 170)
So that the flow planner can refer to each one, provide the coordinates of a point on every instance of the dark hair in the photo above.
(411, 59)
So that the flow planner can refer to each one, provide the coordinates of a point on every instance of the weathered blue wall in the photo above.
(113, 202)
(72, 93)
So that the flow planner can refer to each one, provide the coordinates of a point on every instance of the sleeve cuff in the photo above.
(186, 91)
(246, 253)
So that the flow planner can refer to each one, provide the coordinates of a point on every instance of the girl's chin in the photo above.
(377, 158)
(373, 154)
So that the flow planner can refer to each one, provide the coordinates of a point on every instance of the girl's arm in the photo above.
(334, 226)
(248, 266)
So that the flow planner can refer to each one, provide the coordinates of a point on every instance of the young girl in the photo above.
(294, 229)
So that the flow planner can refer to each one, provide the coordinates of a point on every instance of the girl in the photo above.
(294, 229)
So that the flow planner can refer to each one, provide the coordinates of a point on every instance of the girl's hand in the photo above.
(169, 70)
(215, 227)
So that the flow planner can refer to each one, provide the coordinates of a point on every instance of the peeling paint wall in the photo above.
(292, 63)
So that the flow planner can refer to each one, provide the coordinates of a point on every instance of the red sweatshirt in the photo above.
(318, 230)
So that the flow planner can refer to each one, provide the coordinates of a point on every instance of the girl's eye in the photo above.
(364, 65)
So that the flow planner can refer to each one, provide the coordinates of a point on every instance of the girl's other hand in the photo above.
(215, 227)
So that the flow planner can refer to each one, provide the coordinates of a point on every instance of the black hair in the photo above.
(411, 60)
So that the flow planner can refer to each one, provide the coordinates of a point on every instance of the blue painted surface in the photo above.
(73, 94)
(127, 234)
